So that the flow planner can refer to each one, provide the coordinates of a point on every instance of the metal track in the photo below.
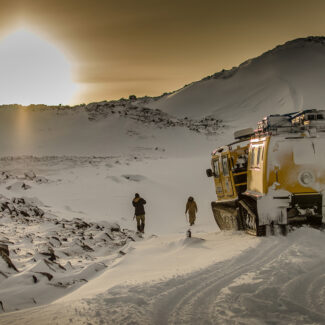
(250, 218)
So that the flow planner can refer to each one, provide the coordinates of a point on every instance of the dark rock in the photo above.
(48, 275)
(4, 274)
(115, 228)
(108, 236)
(4, 248)
(7, 259)
(87, 248)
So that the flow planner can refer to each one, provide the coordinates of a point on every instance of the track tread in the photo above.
(250, 206)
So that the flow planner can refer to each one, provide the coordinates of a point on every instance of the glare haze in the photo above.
(143, 47)
(32, 71)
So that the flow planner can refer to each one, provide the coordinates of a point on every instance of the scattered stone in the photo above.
(4, 248)
(30, 175)
(134, 178)
(87, 248)
(115, 228)
(109, 236)
(3, 274)
(7, 259)
(46, 274)
(40, 180)
(18, 186)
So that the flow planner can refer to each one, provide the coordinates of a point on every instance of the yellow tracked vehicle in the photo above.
(272, 177)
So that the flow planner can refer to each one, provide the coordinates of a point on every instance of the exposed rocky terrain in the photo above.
(47, 255)
(135, 109)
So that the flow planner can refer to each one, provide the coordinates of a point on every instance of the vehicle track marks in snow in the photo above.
(201, 289)
(280, 281)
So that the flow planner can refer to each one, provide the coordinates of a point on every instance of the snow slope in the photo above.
(285, 79)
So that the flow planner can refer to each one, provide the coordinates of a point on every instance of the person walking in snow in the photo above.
(191, 208)
(139, 213)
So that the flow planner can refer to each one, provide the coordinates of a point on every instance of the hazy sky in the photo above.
(147, 47)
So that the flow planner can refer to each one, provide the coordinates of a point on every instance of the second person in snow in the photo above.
(139, 213)
(191, 208)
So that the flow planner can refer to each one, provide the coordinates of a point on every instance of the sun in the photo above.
(32, 71)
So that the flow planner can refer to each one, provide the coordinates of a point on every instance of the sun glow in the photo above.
(32, 71)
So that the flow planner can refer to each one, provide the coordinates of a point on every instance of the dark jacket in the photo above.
(139, 203)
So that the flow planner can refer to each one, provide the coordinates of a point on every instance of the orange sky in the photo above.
(147, 47)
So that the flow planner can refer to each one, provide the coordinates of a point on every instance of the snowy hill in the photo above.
(286, 79)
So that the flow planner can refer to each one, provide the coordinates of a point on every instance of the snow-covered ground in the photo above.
(78, 169)
(216, 278)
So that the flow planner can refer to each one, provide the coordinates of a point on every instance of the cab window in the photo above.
(252, 161)
(260, 164)
(225, 168)
(257, 154)
(216, 168)
(258, 159)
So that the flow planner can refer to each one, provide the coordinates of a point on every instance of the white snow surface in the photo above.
(272, 280)
(88, 162)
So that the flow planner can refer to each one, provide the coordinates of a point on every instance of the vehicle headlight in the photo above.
(306, 178)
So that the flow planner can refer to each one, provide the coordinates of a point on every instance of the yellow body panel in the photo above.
(278, 167)
(271, 163)
(285, 174)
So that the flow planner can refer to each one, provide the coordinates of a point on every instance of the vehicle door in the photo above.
(226, 176)
(217, 177)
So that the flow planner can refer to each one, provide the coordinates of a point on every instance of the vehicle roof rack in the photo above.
(293, 122)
